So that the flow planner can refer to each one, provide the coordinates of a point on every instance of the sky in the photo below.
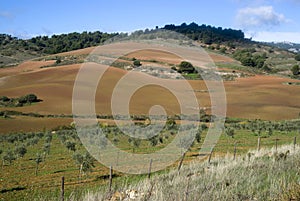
(262, 20)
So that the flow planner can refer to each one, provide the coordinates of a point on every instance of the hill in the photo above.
(292, 47)
(208, 34)
(264, 175)
(14, 50)
(264, 57)
(39, 143)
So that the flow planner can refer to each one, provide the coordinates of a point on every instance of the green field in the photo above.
(20, 182)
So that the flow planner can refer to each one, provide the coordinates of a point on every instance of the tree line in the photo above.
(54, 44)
(73, 41)
(206, 33)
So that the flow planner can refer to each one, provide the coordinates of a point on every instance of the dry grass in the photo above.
(262, 176)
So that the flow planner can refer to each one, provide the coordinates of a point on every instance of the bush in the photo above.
(295, 69)
(247, 58)
(137, 63)
(29, 98)
(70, 145)
(9, 156)
(186, 67)
(297, 57)
(20, 151)
(4, 98)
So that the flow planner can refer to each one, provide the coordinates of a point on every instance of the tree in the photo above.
(38, 160)
(20, 151)
(29, 98)
(85, 163)
(33, 141)
(135, 142)
(58, 60)
(230, 132)
(4, 98)
(48, 137)
(297, 57)
(270, 131)
(295, 69)
(170, 124)
(9, 156)
(137, 63)
(46, 149)
(186, 67)
(153, 141)
(223, 50)
(71, 146)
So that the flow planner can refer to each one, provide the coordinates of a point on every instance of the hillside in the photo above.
(292, 47)
(14, 50)
(39, 142)
(260, 57)
(51, 77)
(264, 175)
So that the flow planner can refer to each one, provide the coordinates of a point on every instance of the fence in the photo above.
(210, 155)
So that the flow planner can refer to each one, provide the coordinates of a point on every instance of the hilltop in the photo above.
(292, 47)
(260, 57)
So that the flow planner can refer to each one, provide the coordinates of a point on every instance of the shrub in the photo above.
(29, 98)
(137, 63)
(4, 98)
(295, 69)
(186, 67)
(20, 151)
(9, 156)
(70, 145)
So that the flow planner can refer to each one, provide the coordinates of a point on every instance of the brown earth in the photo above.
(264, 97)
(26, 66)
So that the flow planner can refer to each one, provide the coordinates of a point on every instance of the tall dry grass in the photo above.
(259, 175)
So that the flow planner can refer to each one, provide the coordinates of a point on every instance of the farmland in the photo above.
(247, 97)
(260, 105)
(20, 180)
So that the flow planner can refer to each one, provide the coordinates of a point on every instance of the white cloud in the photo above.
(262, 17)
(268, 36)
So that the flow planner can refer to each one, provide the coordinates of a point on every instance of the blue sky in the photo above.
(263, 20)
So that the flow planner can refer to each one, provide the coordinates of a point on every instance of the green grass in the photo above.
(18, 180)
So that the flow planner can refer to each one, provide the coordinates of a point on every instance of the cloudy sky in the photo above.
(263, 20)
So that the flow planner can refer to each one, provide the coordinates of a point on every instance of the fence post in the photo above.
(234, 151)
(258, 144)
(149, 171)
(181, 161)
(295, 142)
(110, 178)
(63, 188)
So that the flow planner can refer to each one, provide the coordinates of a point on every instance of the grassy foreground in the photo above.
(34, 163)
(263, 175)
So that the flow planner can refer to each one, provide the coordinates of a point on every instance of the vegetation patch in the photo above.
(292, 83)
(20, 101)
